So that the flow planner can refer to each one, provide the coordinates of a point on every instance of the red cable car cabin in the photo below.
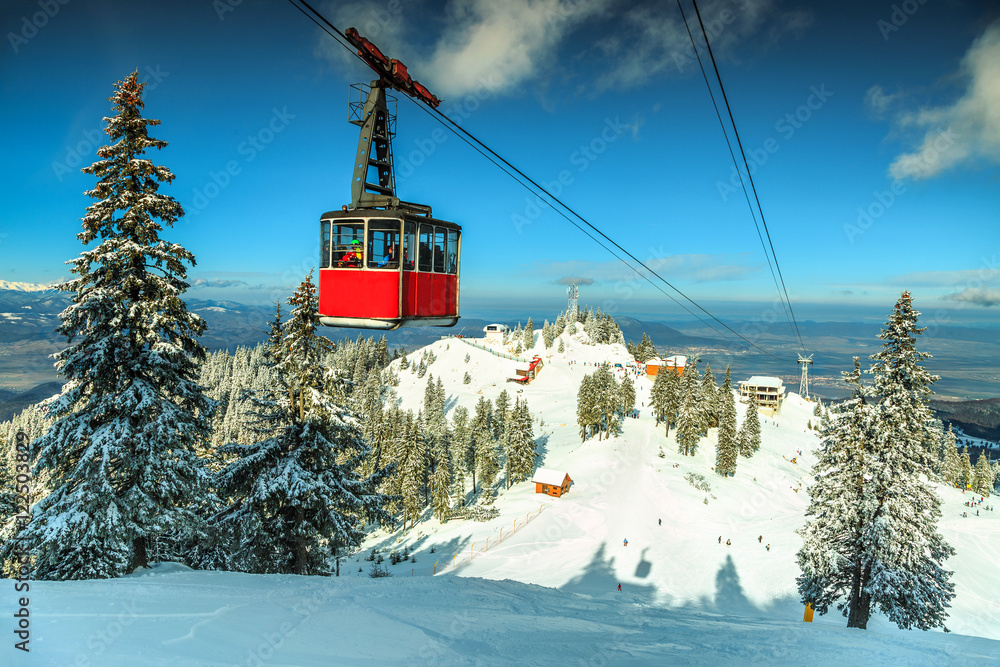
(383, 269)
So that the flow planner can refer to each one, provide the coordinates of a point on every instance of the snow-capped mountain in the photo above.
(23, 287)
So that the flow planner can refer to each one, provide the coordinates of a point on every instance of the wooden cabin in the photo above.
(551, 482)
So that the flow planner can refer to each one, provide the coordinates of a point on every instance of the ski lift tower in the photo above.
(571, 309)
(804, 382)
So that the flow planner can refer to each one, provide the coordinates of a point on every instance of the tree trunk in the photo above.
(140, 558)
(300, 548)
(861, 601)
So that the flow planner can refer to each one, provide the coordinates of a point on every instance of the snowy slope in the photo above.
(546, 586)
(622, 489)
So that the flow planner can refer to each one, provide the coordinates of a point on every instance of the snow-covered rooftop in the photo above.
(763, 381)
(547, 476)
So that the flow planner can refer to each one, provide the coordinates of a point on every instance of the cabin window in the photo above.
(324, 244)
(440, 248)
(545, 488)
(409, 246)
(424, 257)
(383, 244)
(347, 244)
(452, 251)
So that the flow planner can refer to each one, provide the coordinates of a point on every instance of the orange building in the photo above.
(675, 363)
(551, 482)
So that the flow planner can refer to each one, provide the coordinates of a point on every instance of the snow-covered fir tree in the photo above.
(727, 449)
(708, 399)
(463, 453)
(528, 338)
(627, 397)
(896, 553)
(829, 558)
(562, 347)
(950, 463)
(486, 463)
(412, 464)
(587, 409)
(520, 443)
(965, 474)
(983, 474)
(548, 334)
(299, 496)
(121, 454)
(749, 435)
(689, 427)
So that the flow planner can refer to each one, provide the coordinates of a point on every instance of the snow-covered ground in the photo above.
(540, 582)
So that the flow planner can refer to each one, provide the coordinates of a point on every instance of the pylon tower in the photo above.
(804, 382)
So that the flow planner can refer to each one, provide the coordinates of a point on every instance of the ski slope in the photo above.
(540, 582)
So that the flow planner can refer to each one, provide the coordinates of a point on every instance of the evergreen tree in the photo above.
(895, 551)
(412, 469)
(298, 494)
(728, 449)
(708, 399)
(440, 484)
(121, 455)
(688, 425)
(483, 444)
(501, 413)
(548, 334)
(463, 452)
(529, 335)
(965, 474)
(749, 436)
(562, 347)
(951, 468)
(983, 484)
(521, 443)
(627, 403)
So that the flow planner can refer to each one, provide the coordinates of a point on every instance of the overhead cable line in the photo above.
(511, 170)
(747, 165)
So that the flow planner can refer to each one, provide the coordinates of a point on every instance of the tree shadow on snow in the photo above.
(599, 580)
(730, 598)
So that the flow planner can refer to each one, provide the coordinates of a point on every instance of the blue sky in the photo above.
(872, 128)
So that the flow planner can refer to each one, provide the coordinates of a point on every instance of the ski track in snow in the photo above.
(548, 590)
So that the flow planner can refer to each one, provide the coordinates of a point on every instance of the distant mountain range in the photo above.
(23, 287)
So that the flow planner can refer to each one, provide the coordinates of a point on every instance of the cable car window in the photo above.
(452, 251)
(440, 233)
(409, 246)
(347, 240)
(383, 244)
(426, 246)
(324, 244)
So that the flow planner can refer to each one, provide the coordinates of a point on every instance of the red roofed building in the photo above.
(551, 482)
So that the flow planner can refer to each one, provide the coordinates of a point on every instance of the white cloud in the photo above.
(878, 102)
(967, 129)
(980, 296)
(946, 278)
(499, 45)
(653, 39)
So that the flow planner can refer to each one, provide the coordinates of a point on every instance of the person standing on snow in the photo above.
(625, 543)
(619, 587)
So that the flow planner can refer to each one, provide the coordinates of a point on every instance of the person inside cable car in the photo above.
(353, 256)
(390, 258)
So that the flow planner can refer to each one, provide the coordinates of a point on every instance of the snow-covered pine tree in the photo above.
(440, 487)
(749, 435)
(965, 474)
(122, 451)
(462, 452)
(483, 444)
(562, 347)
(608, 399)
(412, 468)
(708, 399)
(548, 335)
(950, 463)
(300, 492)
(688, 424)
(627, 402)
(501, 413)
(529, 335)
(897, 552)
(521, 443)
(983, 474)
(728, 449)
(829, 557)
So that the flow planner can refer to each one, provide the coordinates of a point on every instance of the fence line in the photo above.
(502, 355)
